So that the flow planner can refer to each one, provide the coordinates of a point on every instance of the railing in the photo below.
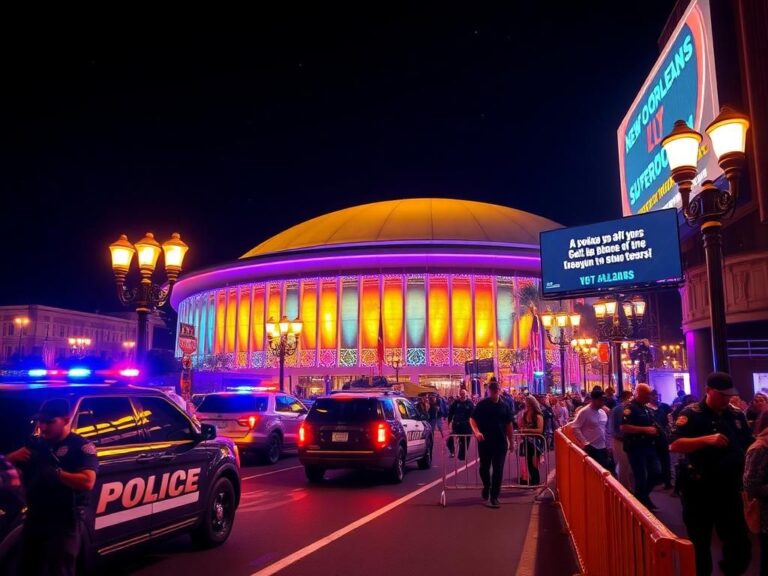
(747, 348)
(462, 472)
(612, 532)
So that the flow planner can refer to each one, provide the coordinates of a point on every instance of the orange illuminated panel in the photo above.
(461, 313)
(393, 312)
(243, 319)
(370, 308)
(438, 312)
(273, 305)
(309, 315)
(328, 314)
(257, 319)
(221, 310)
(484, 319)
(231, 320)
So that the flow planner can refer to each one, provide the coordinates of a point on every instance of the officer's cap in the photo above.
(722, 382)
(54, 408)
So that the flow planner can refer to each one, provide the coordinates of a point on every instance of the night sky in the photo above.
(230, 127)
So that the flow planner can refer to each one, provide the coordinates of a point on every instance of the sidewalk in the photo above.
(671, 514)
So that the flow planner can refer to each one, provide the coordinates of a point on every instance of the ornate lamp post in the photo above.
(708, 209)
(79, 346)
(395, 360)
(616, 324)
(147, 296)
(20, 322)
(563, 321)
(283, 339)
(586, 352)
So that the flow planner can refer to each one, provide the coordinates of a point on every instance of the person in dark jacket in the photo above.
(458, 419)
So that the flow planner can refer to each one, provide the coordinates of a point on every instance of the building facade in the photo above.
(433, 283)
(33, 330)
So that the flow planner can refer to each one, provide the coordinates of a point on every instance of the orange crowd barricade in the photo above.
(612, 532)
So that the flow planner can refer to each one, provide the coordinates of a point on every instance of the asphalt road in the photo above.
(358, 523)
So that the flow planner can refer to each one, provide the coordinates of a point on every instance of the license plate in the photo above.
(339, 436)
(221, 425)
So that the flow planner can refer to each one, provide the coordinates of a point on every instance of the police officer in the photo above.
(714, 436)
(59, 469)
(458, 419)
(640, 433)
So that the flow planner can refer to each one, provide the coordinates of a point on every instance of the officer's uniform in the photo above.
(712, 482)
(55, 523)
(641, 451)
(458, 419)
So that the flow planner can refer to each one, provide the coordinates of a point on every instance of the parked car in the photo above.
(263, 422)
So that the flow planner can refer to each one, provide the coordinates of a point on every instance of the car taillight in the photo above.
(303, 434)
(249, 422)
(381, 433)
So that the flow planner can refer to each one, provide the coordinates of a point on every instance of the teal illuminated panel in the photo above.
(415, 313)
(292, 301)
(349, 314)
(505, 312)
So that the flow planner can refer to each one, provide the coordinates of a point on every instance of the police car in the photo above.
(160, 472)
(364, 429)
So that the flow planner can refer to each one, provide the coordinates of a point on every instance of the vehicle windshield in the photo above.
(230, 404)
(343, 410)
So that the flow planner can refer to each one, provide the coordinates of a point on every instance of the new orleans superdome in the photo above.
(434, 282)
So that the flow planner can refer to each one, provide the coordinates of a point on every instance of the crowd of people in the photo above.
(711, 452)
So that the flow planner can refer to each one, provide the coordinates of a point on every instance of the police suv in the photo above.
(364, 429)
(160, 472)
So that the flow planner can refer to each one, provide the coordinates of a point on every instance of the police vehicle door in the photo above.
(291, 413)
(110, 422)
(180, 465)
(414, 428)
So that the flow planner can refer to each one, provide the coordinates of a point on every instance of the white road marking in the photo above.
(315, 546)
(269, 473)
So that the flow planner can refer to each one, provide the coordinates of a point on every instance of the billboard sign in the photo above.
(681, 86)
(187, 338)
(618, 255)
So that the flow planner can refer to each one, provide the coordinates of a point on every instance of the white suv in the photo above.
(266, 423)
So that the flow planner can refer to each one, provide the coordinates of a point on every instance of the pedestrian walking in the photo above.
(620, 458)
(714, 436)
(640, 432)
(458, 419)
(59, 470)
(756, 482)
(532, 447)
(435, 412)
(590, 428)
(491, 423)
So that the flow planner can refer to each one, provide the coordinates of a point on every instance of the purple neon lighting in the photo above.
(333, 264)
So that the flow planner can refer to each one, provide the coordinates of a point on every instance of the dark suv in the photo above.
(160, 472)
(364, 429)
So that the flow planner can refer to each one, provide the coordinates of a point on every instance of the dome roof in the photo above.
(415, 220)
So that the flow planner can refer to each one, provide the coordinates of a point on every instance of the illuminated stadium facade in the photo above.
(435, 282)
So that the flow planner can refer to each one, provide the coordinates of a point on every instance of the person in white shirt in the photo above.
(590, 428)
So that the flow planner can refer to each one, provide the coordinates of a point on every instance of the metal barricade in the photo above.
(528, 451)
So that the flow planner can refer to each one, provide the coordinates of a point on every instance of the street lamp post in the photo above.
(708, 209)
(616, 324)
(283, 339)
(21, 322)
(395, 360)
(585, 351)
(147, 296)
(563, 321)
